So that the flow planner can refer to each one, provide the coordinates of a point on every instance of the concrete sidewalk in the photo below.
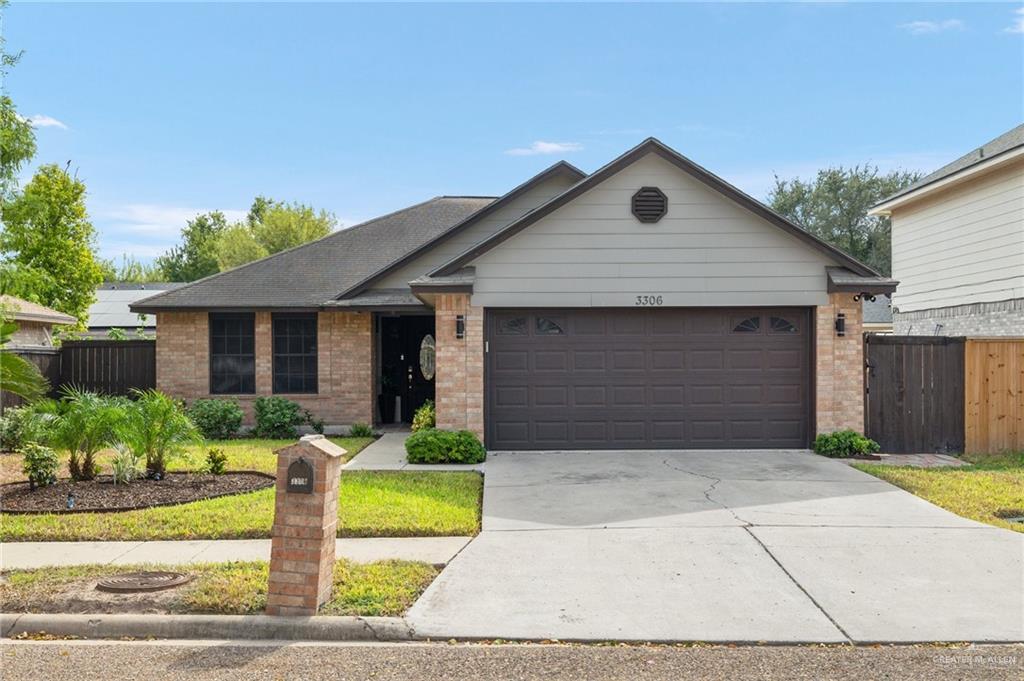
(388, 454)
(435, 550)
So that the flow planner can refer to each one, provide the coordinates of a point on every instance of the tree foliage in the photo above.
(271, 227)
(196, 256)
(48, 240)
(131, 270)
(17, 146)
(834, 208)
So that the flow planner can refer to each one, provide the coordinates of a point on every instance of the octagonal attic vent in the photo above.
(649, 204)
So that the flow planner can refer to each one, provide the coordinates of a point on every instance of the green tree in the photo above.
(196, 257)
(17, 146)
(284, 226)
(131, 270)
(270, 227)
(238, 246)
(47, 230)
(834, 208)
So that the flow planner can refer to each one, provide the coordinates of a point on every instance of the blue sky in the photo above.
(166, 110)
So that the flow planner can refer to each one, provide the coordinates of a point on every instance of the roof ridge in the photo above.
(336, 233)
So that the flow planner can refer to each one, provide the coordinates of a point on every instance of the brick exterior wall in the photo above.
(1001, 318)
(459, 382)
(344, 363)
(839, 370)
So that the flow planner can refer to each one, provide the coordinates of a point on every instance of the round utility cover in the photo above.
(137, 582)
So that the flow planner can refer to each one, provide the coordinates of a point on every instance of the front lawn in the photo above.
(374, 589)
(992, 486)
(371, 504)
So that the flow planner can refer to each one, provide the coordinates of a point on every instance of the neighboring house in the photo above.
(111, 309)
(649, 304)
(958, 245)
(35, 322)
(877, 315)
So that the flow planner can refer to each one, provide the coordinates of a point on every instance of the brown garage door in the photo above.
(648, 378)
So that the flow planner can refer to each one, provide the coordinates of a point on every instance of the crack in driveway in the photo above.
(709, 489)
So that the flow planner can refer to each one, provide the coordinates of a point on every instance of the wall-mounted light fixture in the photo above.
(841, 324)
(460, 326)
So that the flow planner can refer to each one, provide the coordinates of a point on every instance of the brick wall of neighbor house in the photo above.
(344, 363)
(1002, 318)
(459, 382)
(839, 389)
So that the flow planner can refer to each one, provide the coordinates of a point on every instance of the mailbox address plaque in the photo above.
(300, 477)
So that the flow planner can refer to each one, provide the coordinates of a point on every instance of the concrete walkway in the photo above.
(725, 546)
(435, 550)
(388, 454)
(915, 461)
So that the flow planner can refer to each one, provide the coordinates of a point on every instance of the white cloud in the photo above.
(540, 147)
(923, 27)
(156, 219)
(41, 121)
(1018, 23)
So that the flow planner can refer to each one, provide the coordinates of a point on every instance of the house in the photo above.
(649, 304)
(877, 311)
(958, 245)
(35, 322)
(111, 309)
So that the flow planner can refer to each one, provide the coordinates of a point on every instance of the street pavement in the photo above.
(227, 661)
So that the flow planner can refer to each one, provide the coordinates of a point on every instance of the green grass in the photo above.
(373, 589)
(371, 504)
(992, 486)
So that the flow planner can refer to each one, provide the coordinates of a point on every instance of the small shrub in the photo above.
(125, 465)
(216, 419)
(425, 417)
(844, 444)
(20, 426)
(156, 428)
(360, 430)
(40, 464)
(276, 418)
(216, 461)
(317, 424)
(84, 424)
(433, 446)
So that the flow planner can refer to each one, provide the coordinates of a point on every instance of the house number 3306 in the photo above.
(648, 301)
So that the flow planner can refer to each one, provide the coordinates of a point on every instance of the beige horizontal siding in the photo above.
(962, 245)
(458, 244)
(706, 251)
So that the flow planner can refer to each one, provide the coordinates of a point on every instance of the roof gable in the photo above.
(561, 169)
(654, 146)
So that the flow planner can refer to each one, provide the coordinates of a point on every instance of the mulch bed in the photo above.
(102, 495)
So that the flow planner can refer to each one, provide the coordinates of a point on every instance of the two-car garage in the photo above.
(649, 377)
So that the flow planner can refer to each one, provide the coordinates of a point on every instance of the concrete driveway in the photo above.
(780, 546)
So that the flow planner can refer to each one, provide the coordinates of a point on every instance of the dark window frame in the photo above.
(283, 377)
(244, 381)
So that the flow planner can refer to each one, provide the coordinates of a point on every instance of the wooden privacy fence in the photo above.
(109, 367)
(936, 394)
(47, 360)
(994, 400)
(102, 366)
(914, 393)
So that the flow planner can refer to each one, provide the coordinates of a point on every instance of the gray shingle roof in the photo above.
(1008, 140)
(315, 273)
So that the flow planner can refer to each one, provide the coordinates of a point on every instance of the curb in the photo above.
(253, 627)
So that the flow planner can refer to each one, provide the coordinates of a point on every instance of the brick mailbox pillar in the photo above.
(305, 524)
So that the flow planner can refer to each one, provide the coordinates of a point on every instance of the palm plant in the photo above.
(157, 429)
(84, 425)
(17, 374)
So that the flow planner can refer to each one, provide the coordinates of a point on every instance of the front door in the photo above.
(407, 362)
